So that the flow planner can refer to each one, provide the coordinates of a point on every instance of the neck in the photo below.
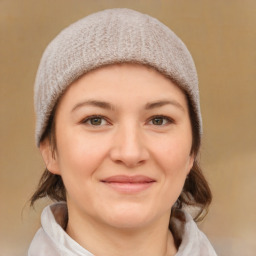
(100, 239)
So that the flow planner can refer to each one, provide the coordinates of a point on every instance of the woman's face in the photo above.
(123, 146)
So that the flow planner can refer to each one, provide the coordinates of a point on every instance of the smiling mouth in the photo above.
(129, 184)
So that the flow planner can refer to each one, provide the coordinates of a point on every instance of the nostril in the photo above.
(130, 163)
(129, 147)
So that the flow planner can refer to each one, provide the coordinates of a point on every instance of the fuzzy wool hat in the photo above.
(108, 37)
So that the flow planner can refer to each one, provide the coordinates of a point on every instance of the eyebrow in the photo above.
(96, 103)
(161, 103)
(108, 106)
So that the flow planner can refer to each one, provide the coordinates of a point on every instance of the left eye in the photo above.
(160, 120)
(95, 121)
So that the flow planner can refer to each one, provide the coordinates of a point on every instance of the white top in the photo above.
(52, 240)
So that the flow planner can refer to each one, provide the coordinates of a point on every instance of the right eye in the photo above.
(95, 121)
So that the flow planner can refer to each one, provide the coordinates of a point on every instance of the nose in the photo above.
(129, 146)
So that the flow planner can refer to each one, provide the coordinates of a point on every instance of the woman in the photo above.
(119, 128)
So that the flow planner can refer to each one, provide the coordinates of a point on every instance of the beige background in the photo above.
(221, 36)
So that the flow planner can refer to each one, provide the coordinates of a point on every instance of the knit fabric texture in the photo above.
(108, 37)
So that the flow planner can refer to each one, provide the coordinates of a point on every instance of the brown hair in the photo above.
(196, 191)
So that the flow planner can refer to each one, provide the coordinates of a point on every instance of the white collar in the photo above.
(53, 237)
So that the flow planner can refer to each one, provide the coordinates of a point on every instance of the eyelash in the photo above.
(161, 117)
(90, 118)
(166, 118)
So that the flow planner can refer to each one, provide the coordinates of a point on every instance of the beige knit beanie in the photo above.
(108, 37)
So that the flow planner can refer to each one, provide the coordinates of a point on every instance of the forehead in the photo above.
(123, 84)
(119, 75)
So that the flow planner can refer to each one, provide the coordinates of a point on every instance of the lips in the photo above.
(128, 179)
(129, 184)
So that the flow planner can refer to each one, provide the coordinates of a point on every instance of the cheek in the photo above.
(79, 157)
(78, 161)
(174, 159)
(174, 154)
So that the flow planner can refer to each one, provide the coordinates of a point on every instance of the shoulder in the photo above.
(51, 239)
(45, 240)
(42, 245)
(193, 241)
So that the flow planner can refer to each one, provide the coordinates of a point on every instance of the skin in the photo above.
(129, 136)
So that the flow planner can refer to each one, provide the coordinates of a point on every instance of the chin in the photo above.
(128, 218)
(130, 222)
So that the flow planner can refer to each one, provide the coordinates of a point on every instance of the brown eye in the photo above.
(157, 121)
(160, 120)
(95, 121)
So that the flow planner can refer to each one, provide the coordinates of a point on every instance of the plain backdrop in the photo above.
(221, 36)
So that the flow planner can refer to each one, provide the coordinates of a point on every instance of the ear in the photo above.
(49, 157)
(191, 161)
